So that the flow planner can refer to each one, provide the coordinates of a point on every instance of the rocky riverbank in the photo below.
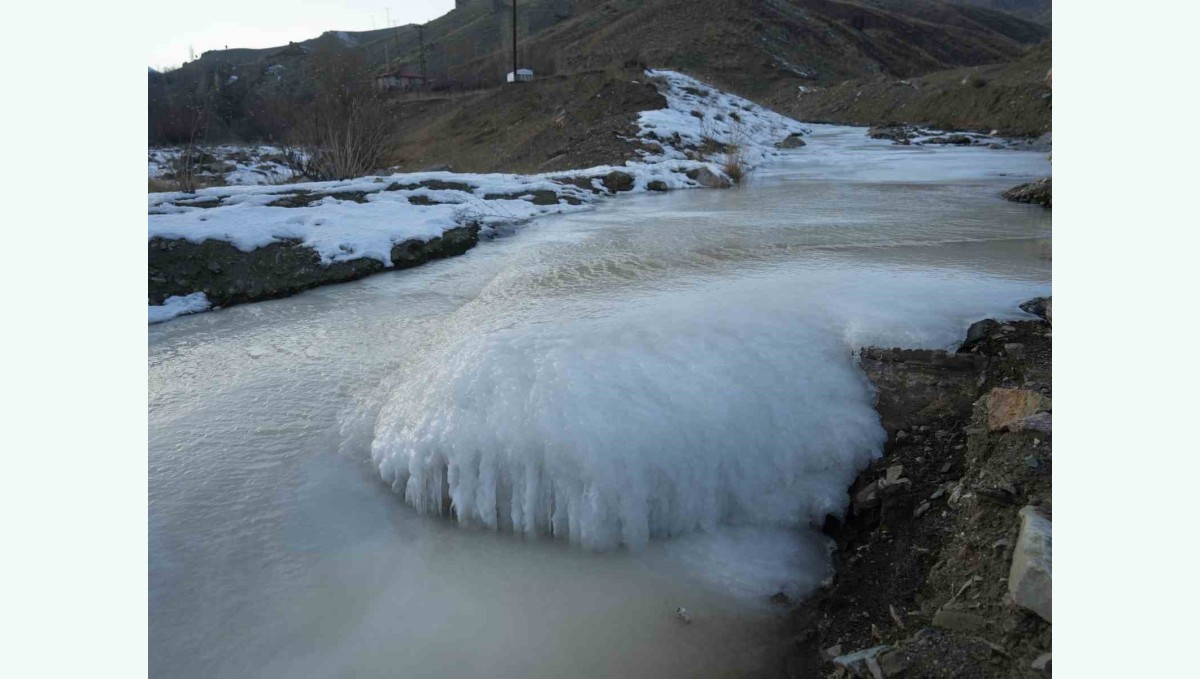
(1037, 192)
(228, 245)
(943, 559)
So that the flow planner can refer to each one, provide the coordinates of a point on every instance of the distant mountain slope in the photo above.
(763, 49)
(751, 44)
(1037, 11)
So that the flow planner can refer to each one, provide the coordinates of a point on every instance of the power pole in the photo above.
(514, 40)
(421, 54)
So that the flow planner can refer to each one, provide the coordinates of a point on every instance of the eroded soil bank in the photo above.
(942, 564)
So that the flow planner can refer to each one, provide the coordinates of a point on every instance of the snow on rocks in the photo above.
(178, 306)
(699, 116)
(689, 144)
(225, 164)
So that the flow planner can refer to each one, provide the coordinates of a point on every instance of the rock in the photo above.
(959, 621)
(1036, 192)
(792, 141)
(708, 179)
(1037, 306)
(230, 276)
(856, 663)
(1029, 578)
(617, 181)
(1041, 423)
(832, 652)
(1006, 406)
(1014, 349)
(917, 385)
(683, 615)
(921, 509)
(900, 134)
(867, 498)
(657, 185)
(1042, 663)
(892, 663)
(893, 473)
(978, 332)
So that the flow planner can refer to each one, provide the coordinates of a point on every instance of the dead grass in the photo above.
(162, 186)
(735, 167)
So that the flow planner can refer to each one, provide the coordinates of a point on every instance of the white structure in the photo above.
(523, 75)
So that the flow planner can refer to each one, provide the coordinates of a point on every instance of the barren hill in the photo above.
(767, 50)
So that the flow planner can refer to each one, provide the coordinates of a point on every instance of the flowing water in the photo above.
(632, 409)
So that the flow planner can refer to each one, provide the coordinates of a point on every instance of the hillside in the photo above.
(1010, 97)
(767, 51)
(1037, 11)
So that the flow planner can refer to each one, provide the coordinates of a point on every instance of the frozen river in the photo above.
(631, 409)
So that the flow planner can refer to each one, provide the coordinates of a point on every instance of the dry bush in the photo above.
(157, 185)
(735, 157)
(343, 129)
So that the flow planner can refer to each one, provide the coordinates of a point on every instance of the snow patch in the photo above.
(178, 306)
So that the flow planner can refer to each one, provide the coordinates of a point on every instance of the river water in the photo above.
(632, 409)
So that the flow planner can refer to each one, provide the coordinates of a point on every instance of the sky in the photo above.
(215, 24)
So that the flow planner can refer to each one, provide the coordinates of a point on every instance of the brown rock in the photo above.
(1006, 406)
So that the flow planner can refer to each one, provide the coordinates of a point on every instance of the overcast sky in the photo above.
(213, 24)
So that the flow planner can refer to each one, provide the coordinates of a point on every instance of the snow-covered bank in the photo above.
(684, 146)
(226, 164)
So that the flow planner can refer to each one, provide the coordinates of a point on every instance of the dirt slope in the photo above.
(554, 123)
(1010, 97)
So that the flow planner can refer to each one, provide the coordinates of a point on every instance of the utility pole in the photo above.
(514, 41)
(421, 54)
(387, 12)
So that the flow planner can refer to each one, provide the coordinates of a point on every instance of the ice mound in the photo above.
(654, 420)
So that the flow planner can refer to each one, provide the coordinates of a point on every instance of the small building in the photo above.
(401, 79)
(523, 75)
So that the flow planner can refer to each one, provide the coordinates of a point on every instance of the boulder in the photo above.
(917, 385)
(1036, 193)
(1038, 306)
(709, 179)
(978, 332)
(617, 181)
(1029, 578)
(1007, 406)
(897, 133)
(792, 141)
(657, 185)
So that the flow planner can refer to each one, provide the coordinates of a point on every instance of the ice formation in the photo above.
(653, 421)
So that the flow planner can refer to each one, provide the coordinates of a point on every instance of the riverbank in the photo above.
(247, 243)
(942, 561)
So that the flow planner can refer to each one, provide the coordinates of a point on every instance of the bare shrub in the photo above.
(735, 164)
(342, 131)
